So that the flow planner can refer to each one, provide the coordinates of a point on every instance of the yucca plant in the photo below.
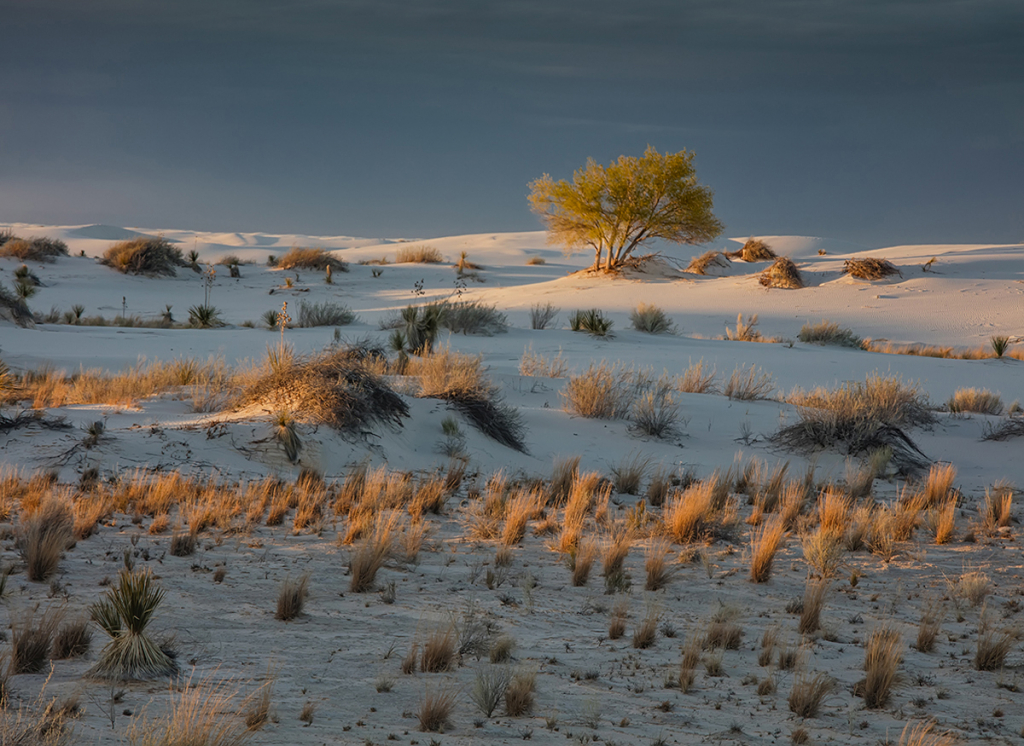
(999, 344)
(204, 317)
(271, 318)
(124, 613)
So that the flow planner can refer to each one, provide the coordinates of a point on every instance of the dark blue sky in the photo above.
(871, 121)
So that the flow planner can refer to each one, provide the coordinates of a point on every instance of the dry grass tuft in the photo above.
(997, 510)
(688, 665)
(824, 552)
(748, 383)
(993, 645)
(883, 653)
(439, 651)
(647, 317)
(310, 258)
(700, 265)
(367, 559)
(656, 566)
(646, 633)
(922, 734)
(32, 639)
(870, 268)
(765, 542)
(754, 250)
(698, 379)
(698, 512)
(782, 274)
(72, 640)
(44, 534)
(809, 691)
(978, 401)
(928, 628)
(424, 254)
(292, 598)
(537, 365)
(32, 249)
(519, 694)
(198, 716)
(581, 560)
(602, 391)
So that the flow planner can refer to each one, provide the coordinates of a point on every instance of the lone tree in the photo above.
(617, 208)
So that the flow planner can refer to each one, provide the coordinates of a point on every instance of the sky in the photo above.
(873, 121)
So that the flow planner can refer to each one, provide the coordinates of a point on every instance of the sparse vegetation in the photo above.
(145, 256)
(828, 333)
(649, 318)
(310, 258)
(591, 321)
(291, 599)
(978, 401)
(324, 314)
(870, 268)
(422, 254)
(782, 273)
(32, 249)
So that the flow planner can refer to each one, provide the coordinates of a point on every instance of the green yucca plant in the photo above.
(124, 613)
(271, 318)
(204, 317)
(999, 344)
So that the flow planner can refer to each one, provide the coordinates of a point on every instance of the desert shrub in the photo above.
(764, 544)
(228, 260)
(534, 261)
(488, 688)
(292, 598)
(336, 387)
(870, 268)
(809, 691)
(418, 255)
(748, 383)
(993, 645)
(542, 314)
(700, 265)
(324, 314)
(199, 715)
(755, 250)
(858, 418)
(438, 651)
(204, 317)
(33, 249)
(979, 401)
(999, 344)
(459, 380)
(535, 364)
(591, 321)
(310, 258)
(649, 318)
(828, 333)
(883, 654)
(655, 414)
(145, 256)
(602, 391)
(782, 273)
(1012, 427)
(124, 613)
(698, 379)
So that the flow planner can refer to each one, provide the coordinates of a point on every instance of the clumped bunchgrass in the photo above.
(746, 331)
(857, 418)
(700, 265)
(367, 559)
(656, 567)
(870, 268)
(994, 644)
(646, 632)
(581, 560)
(535, 261)
(883, 653)
(809, 692)
(326, 313)
(14, 307)
(488, 688)
(997, 509)
(978, 401)
(828, 333)
(291, 598)
(824, 551)
(592, 321)
(39, 249)
(655, 413)
(628, 474)
(145, 256)
(923, 734)
(813, 602)
(542, 314)
(310, 258)
(472, 317)
(72, 640)
(519, 695)
(438, 653)
(124, 613)
(537, 365)
(782, 273)
(422, 254)
(31, 640)
(699, 512)
(648, 318)
(928, 628)
(698, 378)
(459, 380)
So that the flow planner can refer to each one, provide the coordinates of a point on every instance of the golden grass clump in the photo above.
(292, 598)
(602, 391)
(145, 255)
(782, 273)
(977, 401)
(814, 600)
(46, 530)
(656, 566)
(698, 511)
(923, 734)
(581, 560)
(809, 691)
(31, 641)
(310, 258)
(37, 249)
(765, 542)
(749, 383)
(828, 333)
(698, 379)
(370, 556)
(997, 510)
(587, 490)
(755, 250)
(994, 645)
(535, 364)
(439, 651)
(883, 653)
(423, 254)
(928, 628)
(870, 268)
(519, 695)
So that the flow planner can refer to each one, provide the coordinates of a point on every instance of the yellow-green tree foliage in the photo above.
(614, 209)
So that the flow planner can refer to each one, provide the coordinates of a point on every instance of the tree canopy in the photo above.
(616, 208)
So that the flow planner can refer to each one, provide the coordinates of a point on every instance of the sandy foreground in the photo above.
(341, 660)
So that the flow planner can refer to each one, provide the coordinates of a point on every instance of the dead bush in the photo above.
(870, 268)
(782, 273)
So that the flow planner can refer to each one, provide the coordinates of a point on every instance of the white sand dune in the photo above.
(589, 687)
